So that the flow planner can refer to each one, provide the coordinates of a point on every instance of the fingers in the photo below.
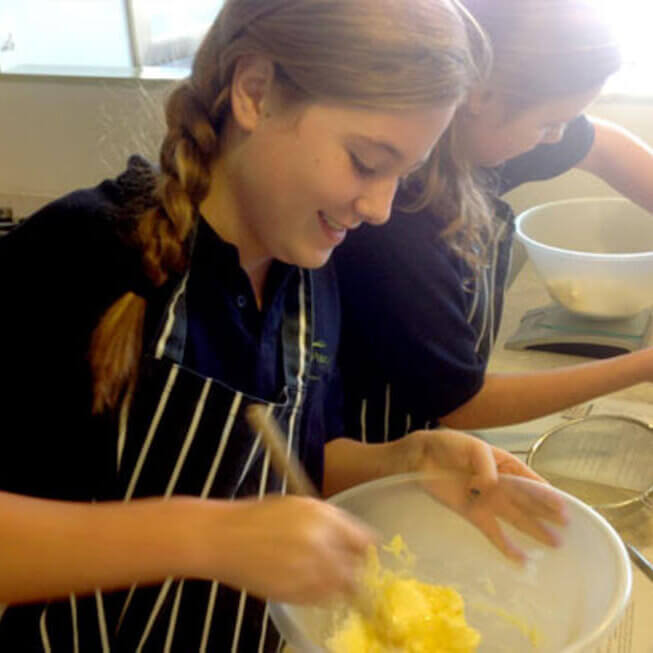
(535, 499)
(353, 535)
(532, 526)
(532, 508)
(510, 464)
(345, 571)
(349, 542)
(490, 527)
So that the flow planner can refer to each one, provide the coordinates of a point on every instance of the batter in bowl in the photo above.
(403, 614)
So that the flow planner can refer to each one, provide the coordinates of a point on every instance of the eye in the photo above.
(360, 167)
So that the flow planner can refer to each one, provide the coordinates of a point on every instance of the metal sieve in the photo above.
(607, 462)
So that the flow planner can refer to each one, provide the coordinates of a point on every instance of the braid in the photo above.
(162, 234)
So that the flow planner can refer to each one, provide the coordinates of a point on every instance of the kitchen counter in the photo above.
(526, 292)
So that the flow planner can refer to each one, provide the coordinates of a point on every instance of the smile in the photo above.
(334, 224)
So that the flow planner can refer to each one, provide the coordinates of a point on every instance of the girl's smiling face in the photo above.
(298, 177)
(493, 134)
(303, 185)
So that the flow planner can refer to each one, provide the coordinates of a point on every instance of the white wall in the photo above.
(59, 134)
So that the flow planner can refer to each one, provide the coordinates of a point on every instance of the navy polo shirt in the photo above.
(228, 337)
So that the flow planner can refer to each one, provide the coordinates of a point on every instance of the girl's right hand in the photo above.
(289, 549)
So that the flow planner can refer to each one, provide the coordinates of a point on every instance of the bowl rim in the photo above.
(614, 256)
(551, 433)
(622, 593)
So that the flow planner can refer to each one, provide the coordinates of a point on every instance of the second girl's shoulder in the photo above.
(408, 244)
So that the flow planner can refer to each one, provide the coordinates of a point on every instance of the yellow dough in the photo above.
(403, 615)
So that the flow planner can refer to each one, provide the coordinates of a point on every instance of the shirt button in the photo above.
(241, 300)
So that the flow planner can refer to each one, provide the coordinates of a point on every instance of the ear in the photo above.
(478, 100)
(251, 88)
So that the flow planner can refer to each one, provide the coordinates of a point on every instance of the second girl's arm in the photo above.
(622, 160)
(512, 398)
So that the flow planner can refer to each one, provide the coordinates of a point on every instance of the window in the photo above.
(36, 33)
(100, 37)
(168, 33)
(159, 37)
(631, 21)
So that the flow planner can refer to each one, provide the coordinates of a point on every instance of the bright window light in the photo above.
(133, 35)
(63, 33)
(74, 35)
(168, 33)
(631, 21)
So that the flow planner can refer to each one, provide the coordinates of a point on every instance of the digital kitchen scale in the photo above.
(553, 328)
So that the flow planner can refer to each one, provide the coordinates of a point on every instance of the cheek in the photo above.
(330, 180)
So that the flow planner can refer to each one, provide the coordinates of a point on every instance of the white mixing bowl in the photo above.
(573, 596)
(594, 254)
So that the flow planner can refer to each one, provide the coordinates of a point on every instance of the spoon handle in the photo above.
(643, 563)
(284, 462)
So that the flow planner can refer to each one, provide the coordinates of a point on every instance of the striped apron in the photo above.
(184, 434)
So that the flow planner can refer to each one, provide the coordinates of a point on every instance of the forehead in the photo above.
(395, 133)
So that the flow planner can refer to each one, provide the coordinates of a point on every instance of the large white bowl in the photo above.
(594, 254)
(573, 596)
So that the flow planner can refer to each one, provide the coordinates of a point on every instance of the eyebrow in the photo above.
(392, 150)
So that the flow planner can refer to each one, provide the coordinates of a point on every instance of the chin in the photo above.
(310, 259)
(315, 260)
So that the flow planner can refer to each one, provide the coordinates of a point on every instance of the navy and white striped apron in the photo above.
(185, 434)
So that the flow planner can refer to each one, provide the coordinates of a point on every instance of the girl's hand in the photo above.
(290, 549)
(485, 484)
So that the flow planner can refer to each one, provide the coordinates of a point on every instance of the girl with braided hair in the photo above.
(148, 313)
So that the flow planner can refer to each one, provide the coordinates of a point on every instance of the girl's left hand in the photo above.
(484, 484)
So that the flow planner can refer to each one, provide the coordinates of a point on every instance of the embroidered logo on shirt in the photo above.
(320, 359)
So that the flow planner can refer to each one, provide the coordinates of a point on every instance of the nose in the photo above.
(375, 204)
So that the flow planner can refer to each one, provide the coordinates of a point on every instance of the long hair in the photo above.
(542, 50)
(378, 54)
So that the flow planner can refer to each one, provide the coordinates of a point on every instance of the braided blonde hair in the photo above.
(390, 54)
